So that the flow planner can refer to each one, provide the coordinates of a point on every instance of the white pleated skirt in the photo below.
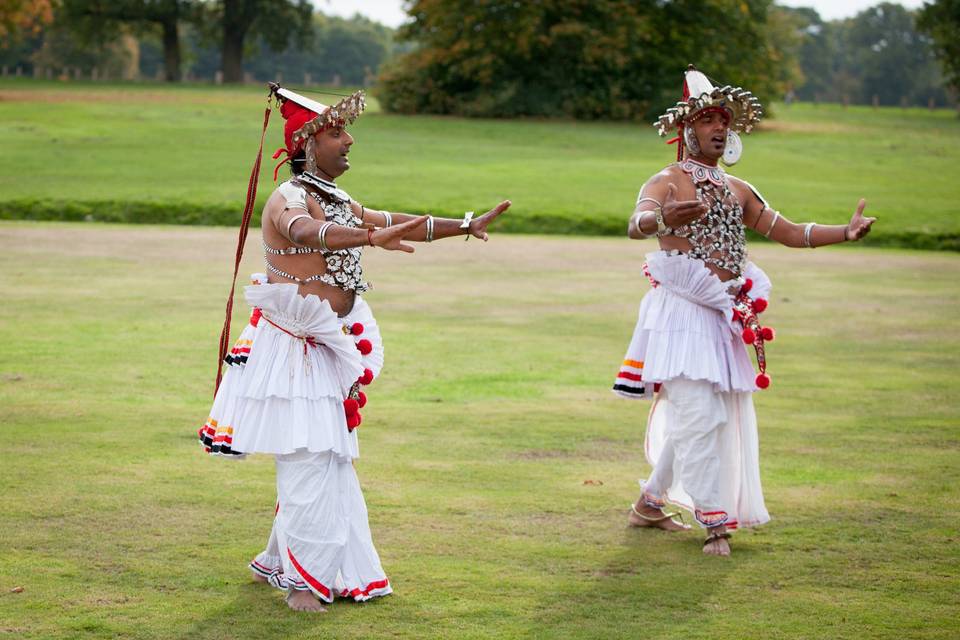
(685, 329)
(288, 374)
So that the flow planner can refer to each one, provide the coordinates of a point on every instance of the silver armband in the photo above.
(294, 219)
(387, 219)
(776, 217)
(657, 212)
(806, 234)
(429, 237)
(639, 225)
(322, 235)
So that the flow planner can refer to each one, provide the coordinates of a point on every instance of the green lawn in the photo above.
(492, 412)
(150, 153)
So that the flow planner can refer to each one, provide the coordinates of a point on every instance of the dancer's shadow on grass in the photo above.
(643, 584)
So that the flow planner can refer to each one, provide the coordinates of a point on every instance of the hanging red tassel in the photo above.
(354, 421)
(350, 406)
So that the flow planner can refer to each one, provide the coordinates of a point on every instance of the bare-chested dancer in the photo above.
(294, 384)
(688, 349)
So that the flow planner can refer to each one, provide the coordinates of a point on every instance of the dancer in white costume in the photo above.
(294, 377)
(687, 349)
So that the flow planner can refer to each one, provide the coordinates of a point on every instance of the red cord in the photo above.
(241, 240)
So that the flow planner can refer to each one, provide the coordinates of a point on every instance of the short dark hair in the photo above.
(298, 162)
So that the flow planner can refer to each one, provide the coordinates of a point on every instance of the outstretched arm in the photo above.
(764, 220)
(299, 227)
(434, 228)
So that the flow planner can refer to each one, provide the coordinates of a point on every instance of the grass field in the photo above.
(491, 414)
(148, 153)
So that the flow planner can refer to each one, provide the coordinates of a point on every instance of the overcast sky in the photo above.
(390, 12)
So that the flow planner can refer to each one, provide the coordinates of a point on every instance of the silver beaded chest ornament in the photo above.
(717, 237)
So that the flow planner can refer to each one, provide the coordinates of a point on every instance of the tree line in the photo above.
(593, 59)
(177, 39)
(623, 59)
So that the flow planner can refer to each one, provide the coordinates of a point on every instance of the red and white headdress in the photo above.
(304, 117)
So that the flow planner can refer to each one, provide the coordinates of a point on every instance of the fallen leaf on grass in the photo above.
(16, 590)
(594, 482)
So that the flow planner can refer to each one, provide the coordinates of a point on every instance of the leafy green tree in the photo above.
(23, 18)
(895, 61)
(351, 49)
(97, 20)
(581, 58)
(941, 20)
(238, 22)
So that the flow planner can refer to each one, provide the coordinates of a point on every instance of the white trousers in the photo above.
(704, 449)
(321, 537)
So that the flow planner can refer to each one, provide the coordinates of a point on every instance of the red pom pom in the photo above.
(749, 337)
(354, 421)
(747, 285)
(351, 406)
(759, 305)
(255, 316)
(362, 400)
(366, 378)
(364, 346)
(356, 329)
(763, 380)
(768, 334)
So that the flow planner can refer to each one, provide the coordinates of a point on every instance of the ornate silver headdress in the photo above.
(699, 94)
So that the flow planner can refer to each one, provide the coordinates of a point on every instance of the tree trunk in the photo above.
(235, 26)
(171, 51)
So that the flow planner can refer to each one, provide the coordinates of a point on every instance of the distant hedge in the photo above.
(223, 214)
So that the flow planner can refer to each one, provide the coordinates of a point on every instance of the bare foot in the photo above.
(304, 601)
(259, 578)
(642, 515)
(717, 542)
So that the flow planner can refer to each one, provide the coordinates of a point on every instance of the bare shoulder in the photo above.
(669, 173)
(736, 184)
(274, 204)
(658, 182)
(743, 191)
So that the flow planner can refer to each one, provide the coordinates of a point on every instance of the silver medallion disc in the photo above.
(733, 149)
